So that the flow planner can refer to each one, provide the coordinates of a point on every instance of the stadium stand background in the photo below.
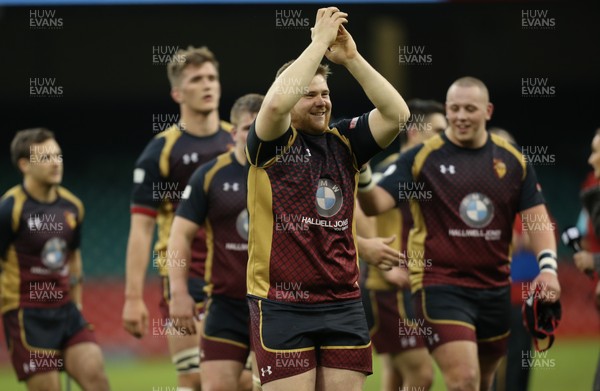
(102, 57)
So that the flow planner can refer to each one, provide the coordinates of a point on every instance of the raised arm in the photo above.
(273, 118)
(391, 111)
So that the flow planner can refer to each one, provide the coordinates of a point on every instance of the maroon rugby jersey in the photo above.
(301, 198)
(36, 240)
(215, 198)
(463, 203)
(160, 176)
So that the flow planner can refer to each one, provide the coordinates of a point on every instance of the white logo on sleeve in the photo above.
(138, 175)
(186, 192)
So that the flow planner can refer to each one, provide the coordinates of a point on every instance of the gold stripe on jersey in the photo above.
(164, 220)
(222, 161)
(346, 142)
(273, 160)
(354, 232)
(210, 255)
(502, 143)
(434, 143)
(261, 216)
(226, 126)
(416, 238)
(416, 245)
(19, 199)
(10, 281)
(66, 194)
(170, 135)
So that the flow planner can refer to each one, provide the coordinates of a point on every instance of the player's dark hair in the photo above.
(322, 70)
(20, 147)
(249, 103)
(420, 108)
(190, 56)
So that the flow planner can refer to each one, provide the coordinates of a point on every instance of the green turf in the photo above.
(569, 365)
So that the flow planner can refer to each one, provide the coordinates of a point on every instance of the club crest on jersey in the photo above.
(476, 210)
(54, 254)
(71, 219)
(329, 197)
(241, 224)
(499, 168)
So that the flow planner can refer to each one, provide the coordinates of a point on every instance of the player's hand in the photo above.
(326, 25)
(584, 260)
(343, 49)
(397, 276)
(377, 252)
(549, 287)
(182, 311)
(135, 317)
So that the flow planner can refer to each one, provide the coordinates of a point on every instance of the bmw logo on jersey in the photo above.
(476, 210)
(329, 198)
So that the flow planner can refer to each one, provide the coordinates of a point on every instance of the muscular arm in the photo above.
(273, 118)
(390, 109)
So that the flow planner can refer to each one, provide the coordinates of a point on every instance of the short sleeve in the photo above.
(146, 177)
(402, 173)
(259, 152)
(531, 191)
(358, 132)
(6, 231)
(194, 200)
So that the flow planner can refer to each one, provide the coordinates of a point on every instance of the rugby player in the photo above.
(398, 339)
(478, 183)
(40, 236)
(159, 178)
(308, 326)
(215, 198)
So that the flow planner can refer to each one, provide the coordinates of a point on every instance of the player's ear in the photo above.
(234, 132)
(489, 110)
(176, 95)
(23, 164)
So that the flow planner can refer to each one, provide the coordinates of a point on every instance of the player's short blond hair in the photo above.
(249, 103)
(469, 81)
(185, 57)
(322, 70)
